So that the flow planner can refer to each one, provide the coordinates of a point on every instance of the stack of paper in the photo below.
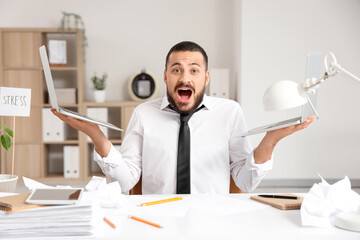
(49, 221)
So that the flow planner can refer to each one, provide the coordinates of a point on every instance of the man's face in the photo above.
(186, 78)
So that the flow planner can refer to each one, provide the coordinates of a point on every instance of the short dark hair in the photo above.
(187, 46)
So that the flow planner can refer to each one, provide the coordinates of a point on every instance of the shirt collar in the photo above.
(206, 102)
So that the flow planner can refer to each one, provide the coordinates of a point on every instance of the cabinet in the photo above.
(119, 114)
(20, 66)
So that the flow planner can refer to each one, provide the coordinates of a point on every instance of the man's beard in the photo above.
(198, 101)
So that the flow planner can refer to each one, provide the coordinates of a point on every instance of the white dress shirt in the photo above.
(217, 150)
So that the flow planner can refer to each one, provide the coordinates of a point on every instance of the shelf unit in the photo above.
(20, 66)
(119, 113)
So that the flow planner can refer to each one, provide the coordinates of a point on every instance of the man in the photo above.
(217, 151)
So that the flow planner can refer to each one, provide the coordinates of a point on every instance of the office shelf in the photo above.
(20, 66)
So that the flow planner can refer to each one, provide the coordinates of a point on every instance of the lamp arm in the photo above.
(331, 70)
(349, 74)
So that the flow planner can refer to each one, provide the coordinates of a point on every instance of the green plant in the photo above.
(99, 82)
(5, 134)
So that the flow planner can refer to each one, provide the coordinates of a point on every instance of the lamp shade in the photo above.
(283, 95)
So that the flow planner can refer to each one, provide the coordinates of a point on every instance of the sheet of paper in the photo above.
(207, 203)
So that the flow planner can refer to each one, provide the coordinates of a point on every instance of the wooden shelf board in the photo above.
(48, 105)
(113, 141)
(70, 68)
(111, 104)
(23, 68)
(63, 142)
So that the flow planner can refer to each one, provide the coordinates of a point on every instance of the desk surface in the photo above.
(249, 220)
(233, 216)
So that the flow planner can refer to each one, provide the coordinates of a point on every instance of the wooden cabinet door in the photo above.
(27, 160)
(28, 129)
(21, 49)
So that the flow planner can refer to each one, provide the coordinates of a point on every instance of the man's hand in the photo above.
(85, 127)
(266, 147)
(101, 143)
(278, 134)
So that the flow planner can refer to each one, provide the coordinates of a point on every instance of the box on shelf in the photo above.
(57, 53)
(66, 95)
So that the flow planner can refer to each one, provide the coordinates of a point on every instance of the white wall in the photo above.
(264, 40)
(129, 35)
(274, 38)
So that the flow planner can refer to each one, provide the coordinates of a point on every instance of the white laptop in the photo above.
(313, 68)
(53, 99)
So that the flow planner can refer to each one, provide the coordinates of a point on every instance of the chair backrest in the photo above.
(233, 187)
(137, 189)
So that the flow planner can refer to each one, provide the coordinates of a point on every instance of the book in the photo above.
(283, 204)
(16, 203)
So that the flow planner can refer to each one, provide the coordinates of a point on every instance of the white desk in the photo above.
(262, 222)
(207, 219)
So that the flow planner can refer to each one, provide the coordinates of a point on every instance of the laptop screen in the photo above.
(48, 77)
(313, 68)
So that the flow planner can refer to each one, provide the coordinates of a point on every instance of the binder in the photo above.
(219, 85)
(53, 127)
(71, 162)
(280, 203)
(16, 203)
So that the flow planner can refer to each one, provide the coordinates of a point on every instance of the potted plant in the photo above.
(73, 20)
(99, 84)
(7, 181)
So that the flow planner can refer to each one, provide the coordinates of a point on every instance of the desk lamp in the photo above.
(287, 94)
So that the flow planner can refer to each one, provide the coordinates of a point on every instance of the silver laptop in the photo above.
(313, 68)
(53, 99)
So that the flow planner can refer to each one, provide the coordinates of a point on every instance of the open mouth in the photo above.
(184, 94)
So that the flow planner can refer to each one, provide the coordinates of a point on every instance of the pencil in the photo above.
(160, 201)
(145, 221)
(110, 223)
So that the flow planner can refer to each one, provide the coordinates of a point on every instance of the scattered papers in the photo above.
(325, 201)
(32, 184)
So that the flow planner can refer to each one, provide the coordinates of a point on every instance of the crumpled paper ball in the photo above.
(324, 201)
(108, 194)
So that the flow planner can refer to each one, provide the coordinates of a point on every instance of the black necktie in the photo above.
(183, 163)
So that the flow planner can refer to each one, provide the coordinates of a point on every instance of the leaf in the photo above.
(11, 134)
(5, 141)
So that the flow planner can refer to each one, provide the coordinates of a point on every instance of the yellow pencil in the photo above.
(160, 201)
(145, 221)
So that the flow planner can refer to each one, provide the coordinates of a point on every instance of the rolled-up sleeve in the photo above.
(246, 173)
